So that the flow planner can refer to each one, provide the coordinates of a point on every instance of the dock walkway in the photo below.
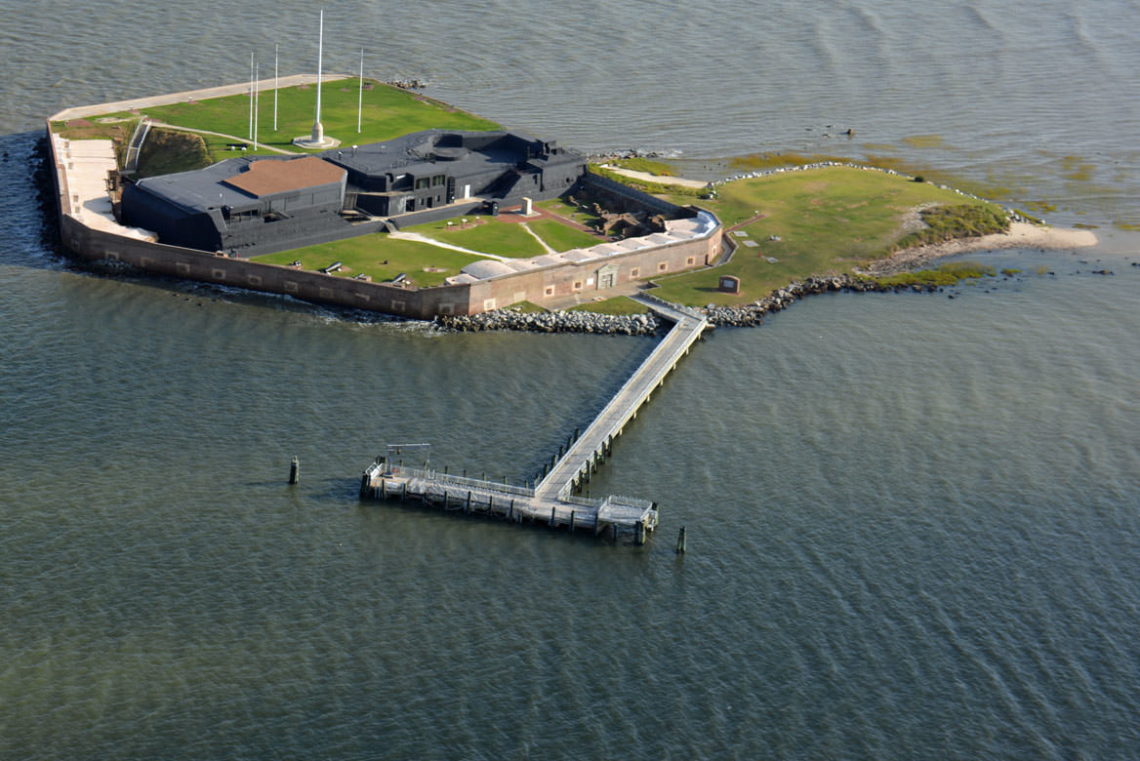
(583, 456)
(551, 500)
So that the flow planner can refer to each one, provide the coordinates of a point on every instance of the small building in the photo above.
(254, 205)
(436, 168)
(240, 205)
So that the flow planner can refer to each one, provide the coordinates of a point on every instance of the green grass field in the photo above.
(379, 257)
(829, 220)
(495, 236)
(388, 112)
(562, 238)
(616, 305)
(484, 234)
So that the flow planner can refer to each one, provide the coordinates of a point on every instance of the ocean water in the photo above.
(914, 522)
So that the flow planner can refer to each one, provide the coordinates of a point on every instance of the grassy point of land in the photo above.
(818, 221)
(946, 274)
(649, 166)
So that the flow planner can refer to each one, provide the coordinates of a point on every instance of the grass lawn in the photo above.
(388, 112)
(378, 256)
(616, 305)
(650, 166)
(561, 237)
(829, 220)
(485, 234)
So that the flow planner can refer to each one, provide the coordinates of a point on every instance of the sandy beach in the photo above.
(658, 178)
(1020, 235)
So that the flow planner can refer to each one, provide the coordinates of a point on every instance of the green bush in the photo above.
(962, 221)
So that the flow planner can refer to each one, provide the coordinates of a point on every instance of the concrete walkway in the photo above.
(235, 138)
(658, 178)
(545, 247)
(98, 109)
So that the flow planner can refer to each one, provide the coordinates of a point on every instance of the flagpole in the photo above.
(251, 95)
(256, 102)
(360, 97)
(275, 46)
(320, 61)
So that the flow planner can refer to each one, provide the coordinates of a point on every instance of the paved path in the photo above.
(545, 246)
(660, 179)
(235, 138)
(98, 109)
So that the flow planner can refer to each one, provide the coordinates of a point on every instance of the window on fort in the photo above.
(690, 261)
(662, 266)
(635, 272)
(549, 290)
(577, 285)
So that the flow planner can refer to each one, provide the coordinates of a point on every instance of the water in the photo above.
(913, 521)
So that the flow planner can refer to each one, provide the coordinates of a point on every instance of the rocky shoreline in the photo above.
(746, 315)
(551, 322)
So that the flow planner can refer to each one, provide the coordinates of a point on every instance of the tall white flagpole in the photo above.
(275, 46)
(251, 95)
(360, 97)
(256, 102)
(320, 61)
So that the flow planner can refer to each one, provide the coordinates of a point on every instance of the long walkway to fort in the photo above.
(552, 499)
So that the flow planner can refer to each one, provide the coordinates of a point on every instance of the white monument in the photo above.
(318, 139)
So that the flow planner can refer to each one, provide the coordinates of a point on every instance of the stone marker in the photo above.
(729, 284)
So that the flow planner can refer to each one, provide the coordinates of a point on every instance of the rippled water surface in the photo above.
(913, 520)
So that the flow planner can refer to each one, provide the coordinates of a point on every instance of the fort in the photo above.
(210, 224)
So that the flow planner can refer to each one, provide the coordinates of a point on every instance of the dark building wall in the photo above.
(436, 215)
(170, 222)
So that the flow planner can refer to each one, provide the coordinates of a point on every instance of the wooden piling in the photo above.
(294, 471)
(682, 541)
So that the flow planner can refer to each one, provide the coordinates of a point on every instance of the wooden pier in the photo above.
(551, 500)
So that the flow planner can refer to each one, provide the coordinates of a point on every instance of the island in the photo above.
(425, 211)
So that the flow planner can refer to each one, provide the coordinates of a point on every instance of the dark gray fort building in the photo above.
(254, 205)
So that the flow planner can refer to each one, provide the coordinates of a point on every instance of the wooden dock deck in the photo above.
(552, 500)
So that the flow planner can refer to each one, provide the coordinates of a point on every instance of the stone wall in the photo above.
(190, 264)
(585, 280)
